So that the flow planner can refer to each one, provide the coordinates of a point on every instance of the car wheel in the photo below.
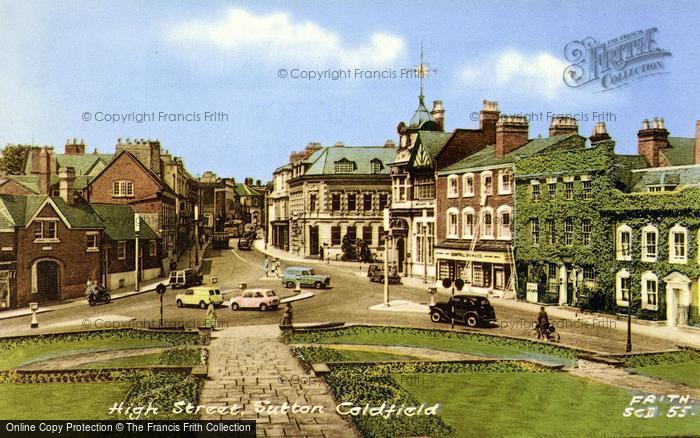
(91, 301)
(179, 303)
(318, 285)
(202, 305)
(435, 317)
(263, 307)
(235, 306)
(108, 298)
(471, 321)
(289, 285)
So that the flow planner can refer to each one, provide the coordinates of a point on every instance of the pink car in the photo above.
(262, 299)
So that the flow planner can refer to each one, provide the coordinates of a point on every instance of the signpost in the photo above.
(137, 228)
(160, 290)
(459, 284)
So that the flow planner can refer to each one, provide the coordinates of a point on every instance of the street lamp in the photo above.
(386, 256)
(137, 228)
(629, 322)
(425, 253)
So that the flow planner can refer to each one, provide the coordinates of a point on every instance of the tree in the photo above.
(13, 159)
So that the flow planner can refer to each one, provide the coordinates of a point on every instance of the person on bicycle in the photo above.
(543, 321)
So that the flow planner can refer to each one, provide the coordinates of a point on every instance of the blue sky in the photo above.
(61, 59)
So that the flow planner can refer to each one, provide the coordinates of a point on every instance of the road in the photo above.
(347, 300)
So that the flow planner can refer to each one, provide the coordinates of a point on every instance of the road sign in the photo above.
(446, 283)
(161, 288)
(459, 283)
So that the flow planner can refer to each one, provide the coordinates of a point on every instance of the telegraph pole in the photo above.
(137, 228)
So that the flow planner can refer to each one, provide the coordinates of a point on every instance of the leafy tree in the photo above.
(13, 159)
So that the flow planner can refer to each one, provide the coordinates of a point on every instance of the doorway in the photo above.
(313, 239)
(47, 279)
(400, 253)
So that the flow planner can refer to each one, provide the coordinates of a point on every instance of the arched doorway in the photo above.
(400, 253)
(46, 279)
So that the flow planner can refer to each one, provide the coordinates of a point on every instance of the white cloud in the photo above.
(278, 37)
(527, 73)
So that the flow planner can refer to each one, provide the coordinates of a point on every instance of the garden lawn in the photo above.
(23, 354)
(469, 343)
(142, 360)
(535, 404)
(58, 401)
(687, 373)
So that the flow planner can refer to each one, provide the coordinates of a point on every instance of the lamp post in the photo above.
(137, 228)
(425, 253)
(386, 257)
(629, 322)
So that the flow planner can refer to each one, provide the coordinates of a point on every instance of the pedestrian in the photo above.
(266, 266)
(278, 269)
(211, 316)
(321, 253)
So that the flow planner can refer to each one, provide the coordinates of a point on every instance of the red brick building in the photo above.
(475, 197)
(128, 181)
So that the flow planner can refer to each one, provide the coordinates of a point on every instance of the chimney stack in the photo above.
(511, 133)
(66, 184)
(599, 133)
(438, 113)
(389, 144)
(488, 117)
(651, 139)
(75, 147)
(563, 125)
(43, 166)
(697, 142)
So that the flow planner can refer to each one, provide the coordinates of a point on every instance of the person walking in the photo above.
(278, 269)
(320, 253)
(266, 266)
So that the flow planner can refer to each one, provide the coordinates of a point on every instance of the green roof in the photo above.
(20, 210)
(361, 156)
(487, 156)
(30, 182)
(82, 163)
(681, 151)
(242, 190)
(433, 141)
(119, 222)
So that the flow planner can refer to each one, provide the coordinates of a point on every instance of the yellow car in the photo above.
(199, 296)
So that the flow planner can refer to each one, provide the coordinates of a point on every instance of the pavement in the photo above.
(255, 377)
(687, 336)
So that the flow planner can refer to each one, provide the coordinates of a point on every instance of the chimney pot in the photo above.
(651, 138)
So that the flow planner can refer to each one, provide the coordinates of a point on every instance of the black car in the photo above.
(471, 310)
(375, 272)
(246, 244)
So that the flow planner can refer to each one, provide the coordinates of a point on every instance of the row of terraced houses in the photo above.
(561, 219)
(69, 218)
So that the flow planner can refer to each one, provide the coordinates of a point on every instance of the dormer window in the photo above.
(344, 166)
(375, 166)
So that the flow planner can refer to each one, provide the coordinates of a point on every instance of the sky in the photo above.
(69, 66)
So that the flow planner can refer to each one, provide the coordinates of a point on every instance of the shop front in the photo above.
(482, 271)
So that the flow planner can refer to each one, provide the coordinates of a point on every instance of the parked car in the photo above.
(185, 278)
(261, 299)
(306, 277)
(219, 240)
(199, 296)
(471, 310)
(375, 272)
(245, 244)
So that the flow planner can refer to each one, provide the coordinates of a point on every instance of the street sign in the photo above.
(459, 283)
(446, 283)
(161, 288)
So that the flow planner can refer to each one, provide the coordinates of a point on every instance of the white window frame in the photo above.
(621, 229)
(535, 240)
(535, 183)
(122, 188)
(504, 233)
(646, 257)
(486, 174)
(450, 233)
(42, 223)
(468, 177)
(649, 276)
(482, 214)
(152, 248)
(468, 211)
(623, 273)
(120, 244)
(88, 235)
(672, 256)
(502, 188)
(452, 186)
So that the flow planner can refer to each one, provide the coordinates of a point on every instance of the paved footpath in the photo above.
(249, 364)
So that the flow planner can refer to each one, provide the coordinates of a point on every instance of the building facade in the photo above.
(278, 208)
(336, 192)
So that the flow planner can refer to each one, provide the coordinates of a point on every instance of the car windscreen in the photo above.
(270, 293)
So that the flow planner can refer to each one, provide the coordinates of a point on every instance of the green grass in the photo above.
(535, 404)
(687, 373)
(20, 355)
(142, 360)
(58, 401)
(373, 356)
(676, 366)
(469, 343)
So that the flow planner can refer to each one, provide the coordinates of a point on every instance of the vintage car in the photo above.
(199, 296)
(305, 276)
(245, 244)
(261, 299)
(375, 272)
(471, 310)
(185, 278)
